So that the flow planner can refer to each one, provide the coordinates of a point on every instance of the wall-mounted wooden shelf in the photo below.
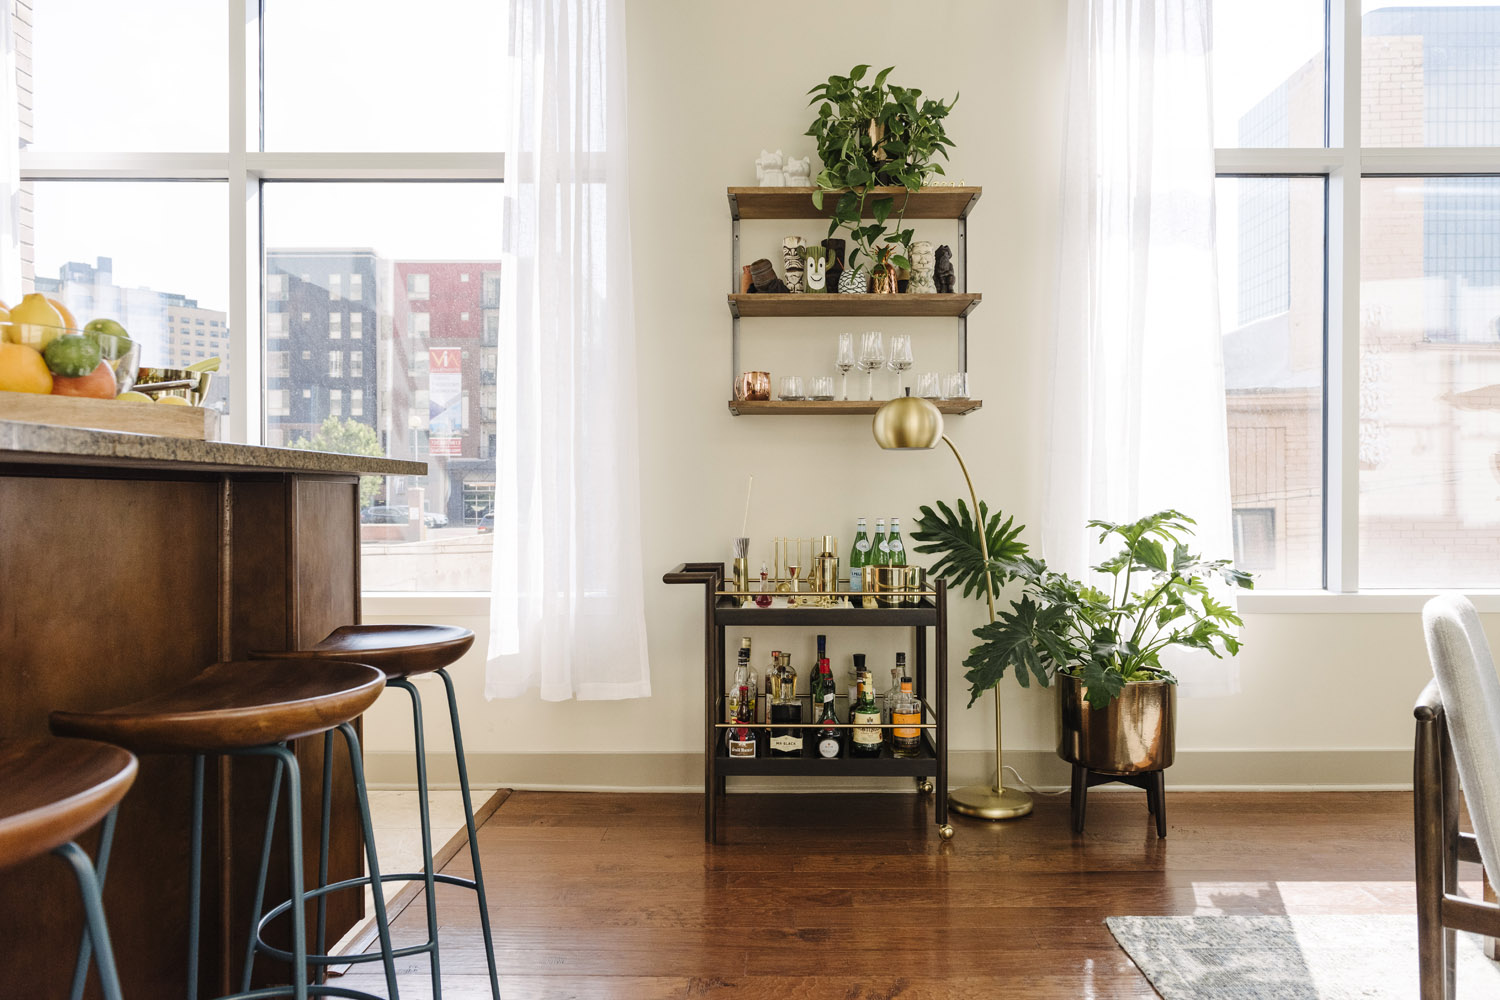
(951, 305)
(796, 202)
(824, 407)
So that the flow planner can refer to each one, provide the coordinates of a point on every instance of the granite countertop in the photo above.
(45, 444)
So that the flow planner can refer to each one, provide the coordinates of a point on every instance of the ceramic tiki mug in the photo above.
(922, 262)
(794, 262)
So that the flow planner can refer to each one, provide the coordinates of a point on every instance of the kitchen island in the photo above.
(130, 563)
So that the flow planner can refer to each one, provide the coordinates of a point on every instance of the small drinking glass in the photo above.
(871, 358)
(900, 359)
(845, 362)
(956, 386)
(820, 387)
(929, 385)
(791, 387)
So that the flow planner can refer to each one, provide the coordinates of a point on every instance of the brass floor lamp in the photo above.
(910, 423)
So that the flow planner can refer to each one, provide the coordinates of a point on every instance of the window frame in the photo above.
(1343, 163)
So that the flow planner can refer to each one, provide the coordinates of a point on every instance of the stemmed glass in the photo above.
(900, 359)
(871, 358)
(845, 362)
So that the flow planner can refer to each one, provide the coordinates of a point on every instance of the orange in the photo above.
(23, 370)
(67, 317)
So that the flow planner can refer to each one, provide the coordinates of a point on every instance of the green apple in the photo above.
(111, 337)
(108, 326)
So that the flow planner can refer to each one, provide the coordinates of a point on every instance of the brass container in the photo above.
(882, 586)
(753, 385)
(826, 573)
(914, 579)
(194, 392)
(1136, 732)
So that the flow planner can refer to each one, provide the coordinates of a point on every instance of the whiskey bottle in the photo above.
(785, 708)
(829, 741)
(906, 737)
(859, 556)
(742, 742)
(865, 714)
(887, 706)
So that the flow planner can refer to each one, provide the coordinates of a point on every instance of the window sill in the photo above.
(1369, 602)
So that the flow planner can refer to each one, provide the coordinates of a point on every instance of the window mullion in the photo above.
(244, 227)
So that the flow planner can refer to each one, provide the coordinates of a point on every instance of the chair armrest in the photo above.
(1429, 704)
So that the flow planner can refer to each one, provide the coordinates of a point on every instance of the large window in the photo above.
(322, 240)
(1359, 249)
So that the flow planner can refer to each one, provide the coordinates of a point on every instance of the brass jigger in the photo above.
(911, 422)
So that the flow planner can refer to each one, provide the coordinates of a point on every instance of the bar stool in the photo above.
(50, 792)
(252, 709)
(402, 652)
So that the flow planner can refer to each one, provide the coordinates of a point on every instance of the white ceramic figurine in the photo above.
(768, 169)
(799, 172)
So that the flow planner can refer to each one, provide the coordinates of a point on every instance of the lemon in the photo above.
(173, 401)
(206, 365)
(134, 397)
(34, 322)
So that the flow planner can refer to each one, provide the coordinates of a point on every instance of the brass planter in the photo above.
(1136, 732)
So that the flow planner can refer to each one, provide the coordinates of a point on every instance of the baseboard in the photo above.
(1194, 770)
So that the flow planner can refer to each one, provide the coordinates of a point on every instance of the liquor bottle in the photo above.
(822, 683)
(812, 676)
(878, 552)
(859, 556)
(773, 671)
(752, 695)
(865, 714)
(742, 742)
(785, 708)
(741, 679)
(829, 743)
(897, 672)
(895, 551)
(852, 689)
(906, 741)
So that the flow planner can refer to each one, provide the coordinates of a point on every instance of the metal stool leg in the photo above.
(260, 880)
(86, 944)
(424, 812)
(93, 913)
(382, 922)
(294, 848)
(463, 784)
(324, 824)
(195, 878)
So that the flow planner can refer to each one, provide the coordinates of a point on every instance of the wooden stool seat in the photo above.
(53, 790)
(234, 706)
(399, 650)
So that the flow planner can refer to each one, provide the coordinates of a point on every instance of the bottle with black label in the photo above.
(829, 741)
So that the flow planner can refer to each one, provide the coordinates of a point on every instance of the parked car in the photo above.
(384, 515)
(434, 519)
(487, 523)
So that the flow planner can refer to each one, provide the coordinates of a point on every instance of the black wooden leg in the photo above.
(1080, 795)
(1159, 787)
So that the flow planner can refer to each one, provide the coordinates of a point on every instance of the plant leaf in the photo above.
(955, 539)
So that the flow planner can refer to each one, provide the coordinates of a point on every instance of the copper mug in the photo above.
(753, 385)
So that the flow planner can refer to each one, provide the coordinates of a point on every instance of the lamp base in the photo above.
(988, 802)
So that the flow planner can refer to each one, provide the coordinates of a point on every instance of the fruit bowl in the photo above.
(122, 355)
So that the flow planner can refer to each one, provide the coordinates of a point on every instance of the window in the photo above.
(464, 277)
(1345, 261)
(421, 326)
(394, 231)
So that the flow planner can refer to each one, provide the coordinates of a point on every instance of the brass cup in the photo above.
(753, 386)
(880, 582)
(913, 578)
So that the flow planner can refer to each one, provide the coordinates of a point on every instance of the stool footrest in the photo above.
(313, 990)
(349, 883)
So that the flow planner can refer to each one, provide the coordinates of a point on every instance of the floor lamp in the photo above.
(909, 423)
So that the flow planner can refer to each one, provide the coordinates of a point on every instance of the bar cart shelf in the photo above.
(953, 203)
(930, 676)
(804, 407)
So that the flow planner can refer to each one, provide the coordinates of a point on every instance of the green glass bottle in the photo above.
(865, 741)
(895, 551)
(829, 742)
(877, 545)
(859, 556)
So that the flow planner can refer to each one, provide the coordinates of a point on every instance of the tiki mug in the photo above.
(922, 261)
(794, 262)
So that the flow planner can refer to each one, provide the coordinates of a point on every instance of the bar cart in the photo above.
(919, 611)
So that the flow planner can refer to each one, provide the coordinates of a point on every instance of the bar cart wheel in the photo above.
(924, 786)
(946, 831)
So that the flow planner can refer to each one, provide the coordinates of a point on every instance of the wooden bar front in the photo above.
(129, 564)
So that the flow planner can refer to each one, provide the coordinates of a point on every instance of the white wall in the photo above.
(1326, 697)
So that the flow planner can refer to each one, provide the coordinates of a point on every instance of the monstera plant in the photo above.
(1158, 598)
(875, 135)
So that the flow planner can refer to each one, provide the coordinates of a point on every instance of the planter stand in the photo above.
(1153, 782)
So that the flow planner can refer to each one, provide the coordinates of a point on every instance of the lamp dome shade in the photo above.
(908, 422)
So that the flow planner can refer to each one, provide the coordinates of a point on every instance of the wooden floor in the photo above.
(856, 898)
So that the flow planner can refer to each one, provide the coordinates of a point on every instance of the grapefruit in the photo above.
(99, 383)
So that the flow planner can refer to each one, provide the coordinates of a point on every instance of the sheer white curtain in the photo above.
(10, 163)
(1137, 401)
(567, 611)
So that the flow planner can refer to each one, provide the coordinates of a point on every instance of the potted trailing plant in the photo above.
(1099, 645)
(874, 135)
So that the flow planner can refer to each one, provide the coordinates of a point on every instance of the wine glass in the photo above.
(871, 358)
(845, 362)
(900, 359)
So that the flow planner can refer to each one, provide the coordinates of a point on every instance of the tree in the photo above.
(347, 437)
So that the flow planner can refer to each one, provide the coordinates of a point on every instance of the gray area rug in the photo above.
(1290, 958)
